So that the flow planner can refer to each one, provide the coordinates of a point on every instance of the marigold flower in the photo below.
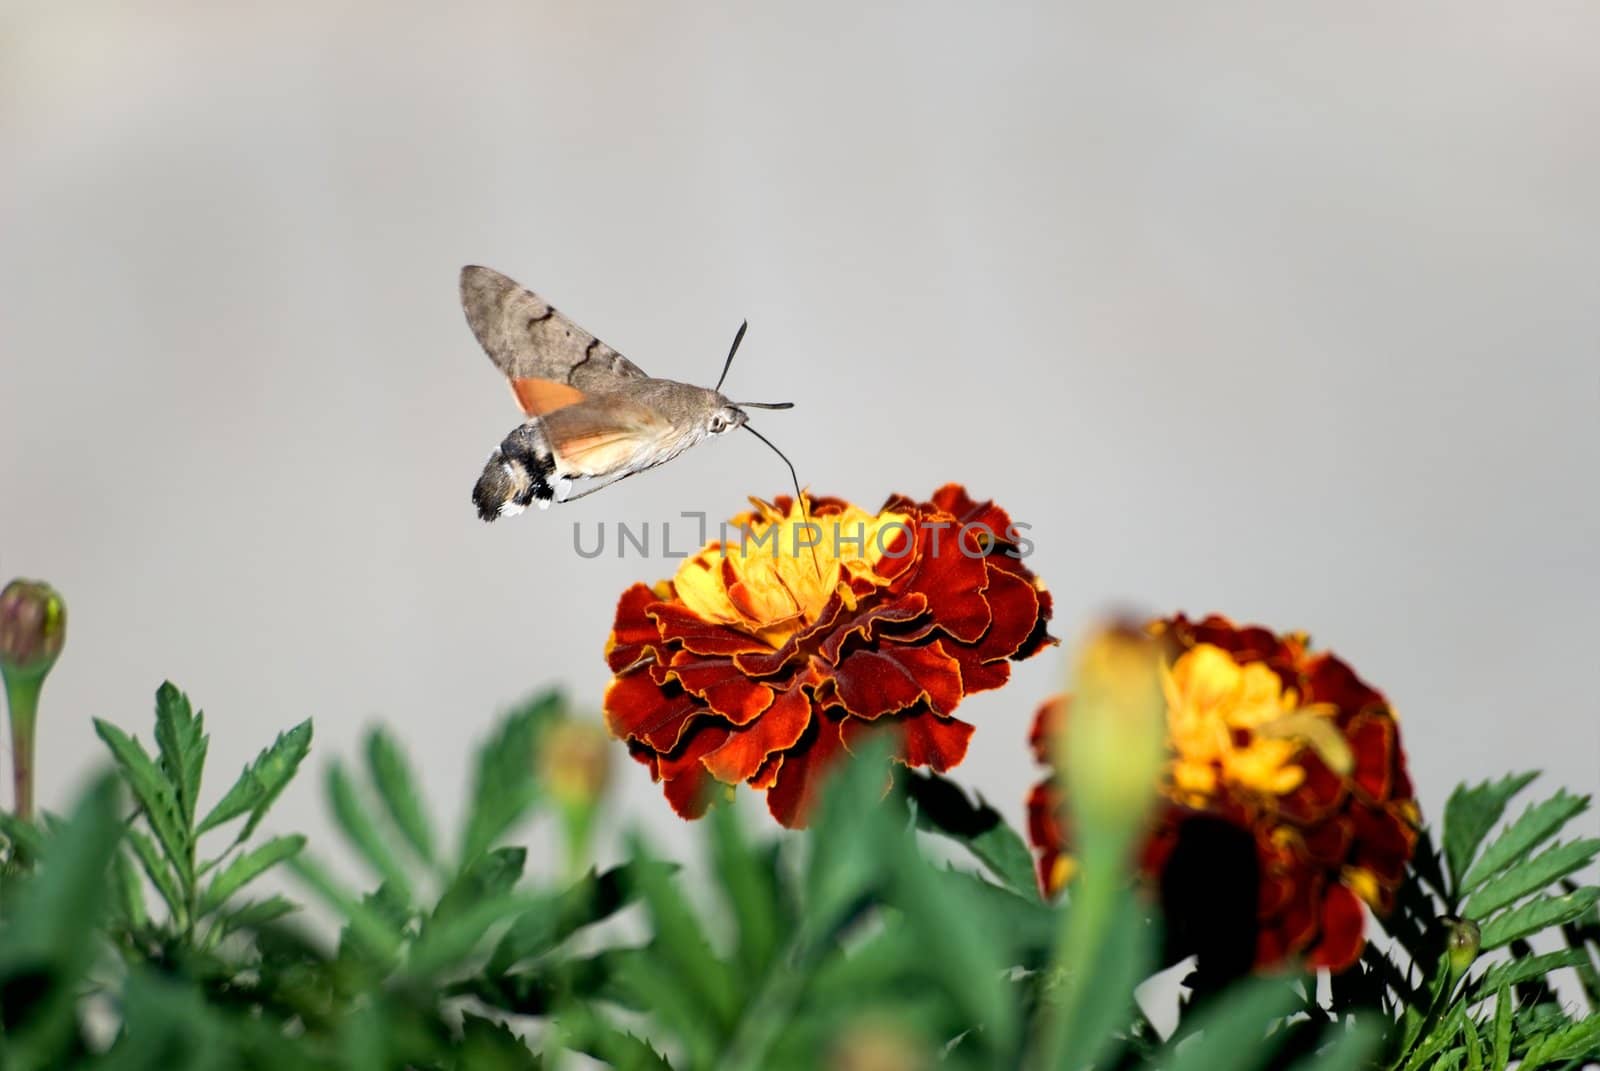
(760, 662)
(1287, 745)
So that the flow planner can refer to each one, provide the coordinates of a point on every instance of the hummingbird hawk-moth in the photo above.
(591, 412)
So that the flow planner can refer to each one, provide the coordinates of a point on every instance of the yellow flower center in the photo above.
(1236, 723)
(773, 586)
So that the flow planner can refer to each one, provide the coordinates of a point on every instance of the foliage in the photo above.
(905, 923)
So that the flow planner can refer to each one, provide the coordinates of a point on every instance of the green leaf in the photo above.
(246, 868)
(1101, 995)
(1516, 971)
(748, 882)
(169, 1027)
(494, 874)
(130, 891)
(590, 900)
(942, 807)
(1580, 1041)
(1536, 915)
(1471, 813)
(1502, 1027)
(375, 933)
(1536, 825)
(257, 913)
(963, 944)
(681, 940)
(398, 789)
(53, 916)
(25, 838)
(359, 828)
(1351, 1050)
(505, 787)
(1540, 872)
(583, 1031)
(1427, 1053)
(448, 942)
(181, 738)
(160, 874)
(1233, 1031)
(156, 796)
(262, 781)
(1469, 1032)
(490, 1046)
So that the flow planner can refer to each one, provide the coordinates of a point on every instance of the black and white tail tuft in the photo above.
(516, 475)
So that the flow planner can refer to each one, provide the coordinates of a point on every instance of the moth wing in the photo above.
(607, 436)
(540, 396)
(550, 361)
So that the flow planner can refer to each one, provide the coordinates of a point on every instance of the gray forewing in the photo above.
(528, 339)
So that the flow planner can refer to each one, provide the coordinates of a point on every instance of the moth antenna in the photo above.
(738, 338)
(799, 495)
(766, 405)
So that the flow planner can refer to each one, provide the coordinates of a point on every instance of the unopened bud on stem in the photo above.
(33, 628)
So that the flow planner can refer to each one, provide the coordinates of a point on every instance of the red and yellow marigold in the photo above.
(1288, 745)
(760, 662)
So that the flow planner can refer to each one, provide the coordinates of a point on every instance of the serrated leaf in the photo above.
(1469, 815)
(257, 913)
(943, 808)
(1502, 1027)
(1443, 1033)
(490, 875)
(181, 740)
(588, 901)
(387, 766)
(1536, 915)
(367, 925)
(358, 826)
(156, 868)
(583, 1031)
(1580, 1040)
(1516, 971)
(261, 782)
(447, 942)
(157, 797)
(1535, 826)
(505, 786)
(247, 867)
(1540, 872)
(490, 1046)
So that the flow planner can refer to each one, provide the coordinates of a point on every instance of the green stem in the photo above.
(22, 695)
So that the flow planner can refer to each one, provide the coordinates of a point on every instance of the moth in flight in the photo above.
(590, 411)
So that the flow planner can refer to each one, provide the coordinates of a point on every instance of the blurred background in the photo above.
(1293, 316)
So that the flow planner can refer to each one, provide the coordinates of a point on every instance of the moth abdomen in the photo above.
(516, 475)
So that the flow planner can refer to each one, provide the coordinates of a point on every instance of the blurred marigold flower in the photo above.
(760, 663)
(1291, 747)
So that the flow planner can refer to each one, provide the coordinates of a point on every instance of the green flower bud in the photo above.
(33, 628)
(1461, 943)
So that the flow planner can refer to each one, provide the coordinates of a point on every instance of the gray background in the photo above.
(1245, 307)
